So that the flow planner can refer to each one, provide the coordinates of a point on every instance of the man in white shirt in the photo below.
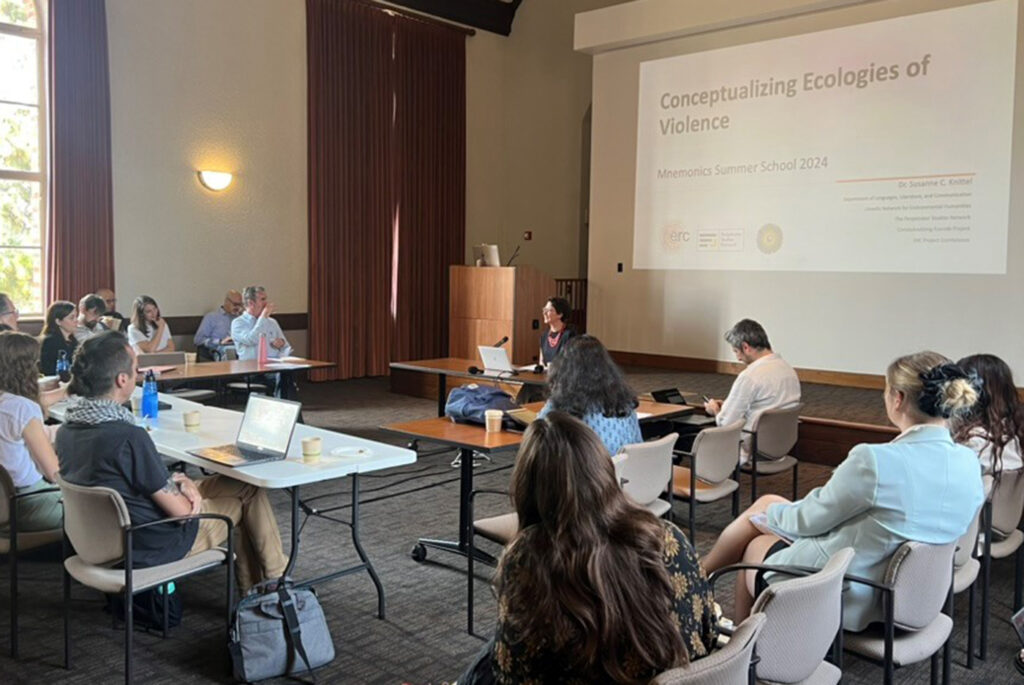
(256, 322)
(91, 309)
(768, 382)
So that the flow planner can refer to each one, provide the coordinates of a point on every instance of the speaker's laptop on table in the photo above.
(495, 360)
(264, 435)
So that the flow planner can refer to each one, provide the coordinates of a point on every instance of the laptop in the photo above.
(495, 360)
(264, 435)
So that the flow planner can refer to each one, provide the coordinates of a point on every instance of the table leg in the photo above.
(442, 393)
(359, 547)
(461, 546)
(293, 553)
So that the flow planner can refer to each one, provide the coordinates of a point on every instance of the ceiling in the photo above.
(488, 15)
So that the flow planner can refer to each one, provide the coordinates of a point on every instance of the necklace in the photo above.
(553, 338)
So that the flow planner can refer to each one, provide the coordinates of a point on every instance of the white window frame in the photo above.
(42, 176)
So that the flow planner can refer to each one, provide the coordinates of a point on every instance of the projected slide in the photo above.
(880, 147)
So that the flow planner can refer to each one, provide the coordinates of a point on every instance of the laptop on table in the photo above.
(264, 435)
(495, 360)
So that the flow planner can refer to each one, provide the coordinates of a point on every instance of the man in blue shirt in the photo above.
(214, 332)
(257, 322)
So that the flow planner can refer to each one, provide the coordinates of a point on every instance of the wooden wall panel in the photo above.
(533, 288)
(693, 364)
(481, 292)
(466, 334)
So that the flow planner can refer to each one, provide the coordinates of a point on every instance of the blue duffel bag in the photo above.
(467, 403)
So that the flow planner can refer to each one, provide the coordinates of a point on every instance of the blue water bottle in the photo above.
(63, 367)
(150, 402)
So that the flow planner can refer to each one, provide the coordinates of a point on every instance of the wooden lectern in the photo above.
(488, 303)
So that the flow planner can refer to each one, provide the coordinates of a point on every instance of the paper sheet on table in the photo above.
(283, 365)
(641, 415)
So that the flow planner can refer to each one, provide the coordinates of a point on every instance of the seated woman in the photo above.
(995, 427)
(593, 588)
(25, 449)
(921, 486)
(556, 313)
(58, 336)
(148, 332)
(585, 382)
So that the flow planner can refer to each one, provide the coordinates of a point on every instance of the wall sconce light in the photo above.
(215, 180)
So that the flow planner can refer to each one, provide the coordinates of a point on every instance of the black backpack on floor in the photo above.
(148, 608)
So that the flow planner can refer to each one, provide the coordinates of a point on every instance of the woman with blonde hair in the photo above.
(921, 486)
(593, 588)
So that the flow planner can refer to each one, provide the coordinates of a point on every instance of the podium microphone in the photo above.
(500, 342)
(514, 255)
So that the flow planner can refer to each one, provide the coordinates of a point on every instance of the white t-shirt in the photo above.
(15, 414)
(1011, 457)
(135, 336)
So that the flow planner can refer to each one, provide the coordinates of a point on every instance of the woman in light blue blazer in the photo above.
(921, 487)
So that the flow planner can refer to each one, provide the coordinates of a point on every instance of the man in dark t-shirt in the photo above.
(121, 456)
(100, 445)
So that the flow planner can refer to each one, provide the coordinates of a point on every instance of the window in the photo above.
(23, 134)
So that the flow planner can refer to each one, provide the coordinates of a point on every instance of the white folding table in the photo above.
(342, 456)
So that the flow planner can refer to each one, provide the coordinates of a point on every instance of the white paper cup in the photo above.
(493, 418)
(311, 448)
(137, 405)
(191, 421)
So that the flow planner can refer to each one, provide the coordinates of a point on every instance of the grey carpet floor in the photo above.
(423, 639)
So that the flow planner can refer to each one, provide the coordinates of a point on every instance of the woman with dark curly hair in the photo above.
(995, 427)
(25, 449)
(585, 382)
(593, 588)
(556, 313)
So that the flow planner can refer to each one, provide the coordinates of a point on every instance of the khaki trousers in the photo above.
(258, 552)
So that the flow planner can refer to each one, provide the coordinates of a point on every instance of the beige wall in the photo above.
(222, 83)
(208, 84)
(836, 321)
(527, 96)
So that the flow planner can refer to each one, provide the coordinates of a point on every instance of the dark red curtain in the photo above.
(386, 97)
(80, 233)
(430, 162)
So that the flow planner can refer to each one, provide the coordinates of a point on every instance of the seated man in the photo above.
(768, 382)
(100, 445)
(255, 322)
(112, 319)
(8, 313)
(214, 332)
(91, 309)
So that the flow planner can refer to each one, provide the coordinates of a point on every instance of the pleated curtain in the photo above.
(386, 175)
(80, 230)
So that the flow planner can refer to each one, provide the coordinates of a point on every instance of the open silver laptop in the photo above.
(264, 435)
(495, 360)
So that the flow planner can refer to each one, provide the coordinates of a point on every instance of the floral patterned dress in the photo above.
(515, 661)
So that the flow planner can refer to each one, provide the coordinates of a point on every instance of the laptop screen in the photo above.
(268, 424)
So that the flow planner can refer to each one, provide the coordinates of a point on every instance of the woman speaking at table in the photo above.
(556, 312)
